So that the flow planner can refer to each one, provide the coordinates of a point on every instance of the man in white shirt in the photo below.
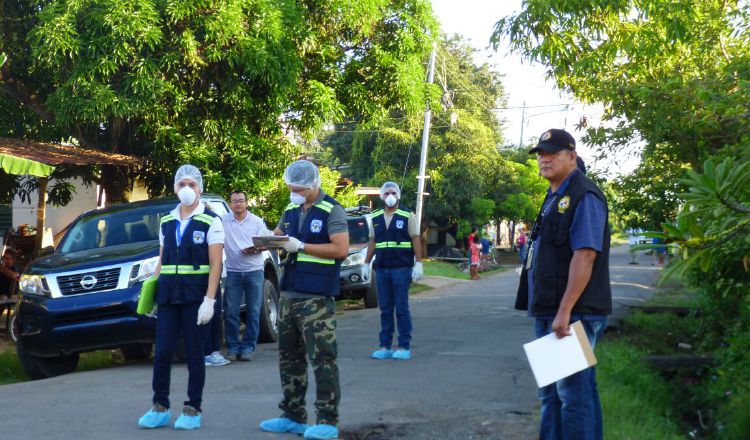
(244, 276)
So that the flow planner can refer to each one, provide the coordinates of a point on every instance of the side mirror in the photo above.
(46, 251)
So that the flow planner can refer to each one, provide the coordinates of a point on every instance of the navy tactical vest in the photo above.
(554, 255)
(184, 269)
(304, 272)
(392, 244)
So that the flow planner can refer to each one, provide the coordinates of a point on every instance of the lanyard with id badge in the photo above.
(537, 228)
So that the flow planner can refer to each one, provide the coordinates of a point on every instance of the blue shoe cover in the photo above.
(282, 424)
(383, 353)
(402, 353)
(153, 419)
(322, 432)
(188, 422)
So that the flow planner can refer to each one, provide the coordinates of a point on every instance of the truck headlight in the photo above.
(33, 284)
(356, 258)
(143, 269)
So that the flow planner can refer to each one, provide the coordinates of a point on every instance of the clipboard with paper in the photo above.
(146, 300)
(270, 241)
(552, 358)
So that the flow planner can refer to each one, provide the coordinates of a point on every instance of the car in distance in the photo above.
(83, 296)
(354, 284)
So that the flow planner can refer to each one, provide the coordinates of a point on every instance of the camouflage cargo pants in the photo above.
(307, 330)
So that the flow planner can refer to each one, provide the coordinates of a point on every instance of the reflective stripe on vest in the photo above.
(184, 269)
(307, 258)
(393, 244)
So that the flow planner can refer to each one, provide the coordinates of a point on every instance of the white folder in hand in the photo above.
(552, 358)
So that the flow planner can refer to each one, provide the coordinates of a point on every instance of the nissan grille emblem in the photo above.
(88, 282)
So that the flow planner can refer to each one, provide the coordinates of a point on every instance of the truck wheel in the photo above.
(269, 313)
(371, 294)
(13, 329)
(136, 352)
(42, 368)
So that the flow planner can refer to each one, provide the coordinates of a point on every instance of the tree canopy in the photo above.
(470, 182)
(673, 75)
(215, 83)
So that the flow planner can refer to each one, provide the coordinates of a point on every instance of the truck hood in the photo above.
(59, 262)
(356, 247)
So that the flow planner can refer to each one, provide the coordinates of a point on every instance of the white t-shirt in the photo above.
(215, 233)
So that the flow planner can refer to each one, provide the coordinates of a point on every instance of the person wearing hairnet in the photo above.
(318, 243)
(395, 243)
(191, 239)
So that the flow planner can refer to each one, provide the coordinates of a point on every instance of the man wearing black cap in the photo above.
(565, 278)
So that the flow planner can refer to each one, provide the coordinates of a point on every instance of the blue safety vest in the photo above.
(392, 244)
(185, 266)
(304, 272)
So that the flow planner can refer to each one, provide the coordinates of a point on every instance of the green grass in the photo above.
(618, 238)
(10, 368)
(636, 401)
(451, 270)
(11, 371)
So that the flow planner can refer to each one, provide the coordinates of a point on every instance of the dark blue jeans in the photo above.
(172, 321)
(570, 407)
(393, 292)
(239, 285)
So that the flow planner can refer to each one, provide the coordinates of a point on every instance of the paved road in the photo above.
(468, 378)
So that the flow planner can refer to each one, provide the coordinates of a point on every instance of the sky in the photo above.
(525, 83)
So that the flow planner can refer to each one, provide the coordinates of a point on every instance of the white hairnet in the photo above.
(390, 185)
(188, 171)
(302, 173)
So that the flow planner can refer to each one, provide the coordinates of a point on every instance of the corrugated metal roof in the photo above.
(56, 154)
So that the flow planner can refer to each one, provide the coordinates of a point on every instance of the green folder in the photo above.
(148, 293)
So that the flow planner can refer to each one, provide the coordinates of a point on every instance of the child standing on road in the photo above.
(474, 257)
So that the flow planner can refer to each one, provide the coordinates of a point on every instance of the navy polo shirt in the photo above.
(586, 232)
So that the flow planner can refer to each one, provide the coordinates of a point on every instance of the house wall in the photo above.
(57, 218)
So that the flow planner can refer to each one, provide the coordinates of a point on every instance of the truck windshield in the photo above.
(115, 227)
(359, 233)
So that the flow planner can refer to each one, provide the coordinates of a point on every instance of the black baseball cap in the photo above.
(554, 140)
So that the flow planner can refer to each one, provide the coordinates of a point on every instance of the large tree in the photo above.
(673, 75)
(463, 144)
(215, 83)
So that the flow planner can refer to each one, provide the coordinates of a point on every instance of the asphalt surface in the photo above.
(468, 378)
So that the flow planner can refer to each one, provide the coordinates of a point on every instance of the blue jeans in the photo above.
(239, 285)
(393, 292)
(570, 408)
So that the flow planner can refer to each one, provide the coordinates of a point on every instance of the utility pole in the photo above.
(523, 116)
(425, 138)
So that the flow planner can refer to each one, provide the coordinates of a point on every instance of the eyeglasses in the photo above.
(237, 202)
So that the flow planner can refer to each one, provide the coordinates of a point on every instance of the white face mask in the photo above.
(391, 200)
(297, 199)
(186, 195)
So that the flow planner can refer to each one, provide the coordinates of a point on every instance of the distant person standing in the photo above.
(565, 279)
(244, 276)
(633, 235)
(522, 244)
(396, 246)
(474, 258)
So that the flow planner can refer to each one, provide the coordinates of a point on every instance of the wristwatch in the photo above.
(301, 246)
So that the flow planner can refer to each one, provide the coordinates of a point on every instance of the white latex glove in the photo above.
(206, 310)
(152, 313)
(417, 272)
(292, 245)
(366, 272)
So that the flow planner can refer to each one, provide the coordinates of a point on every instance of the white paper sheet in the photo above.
(552, 359)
